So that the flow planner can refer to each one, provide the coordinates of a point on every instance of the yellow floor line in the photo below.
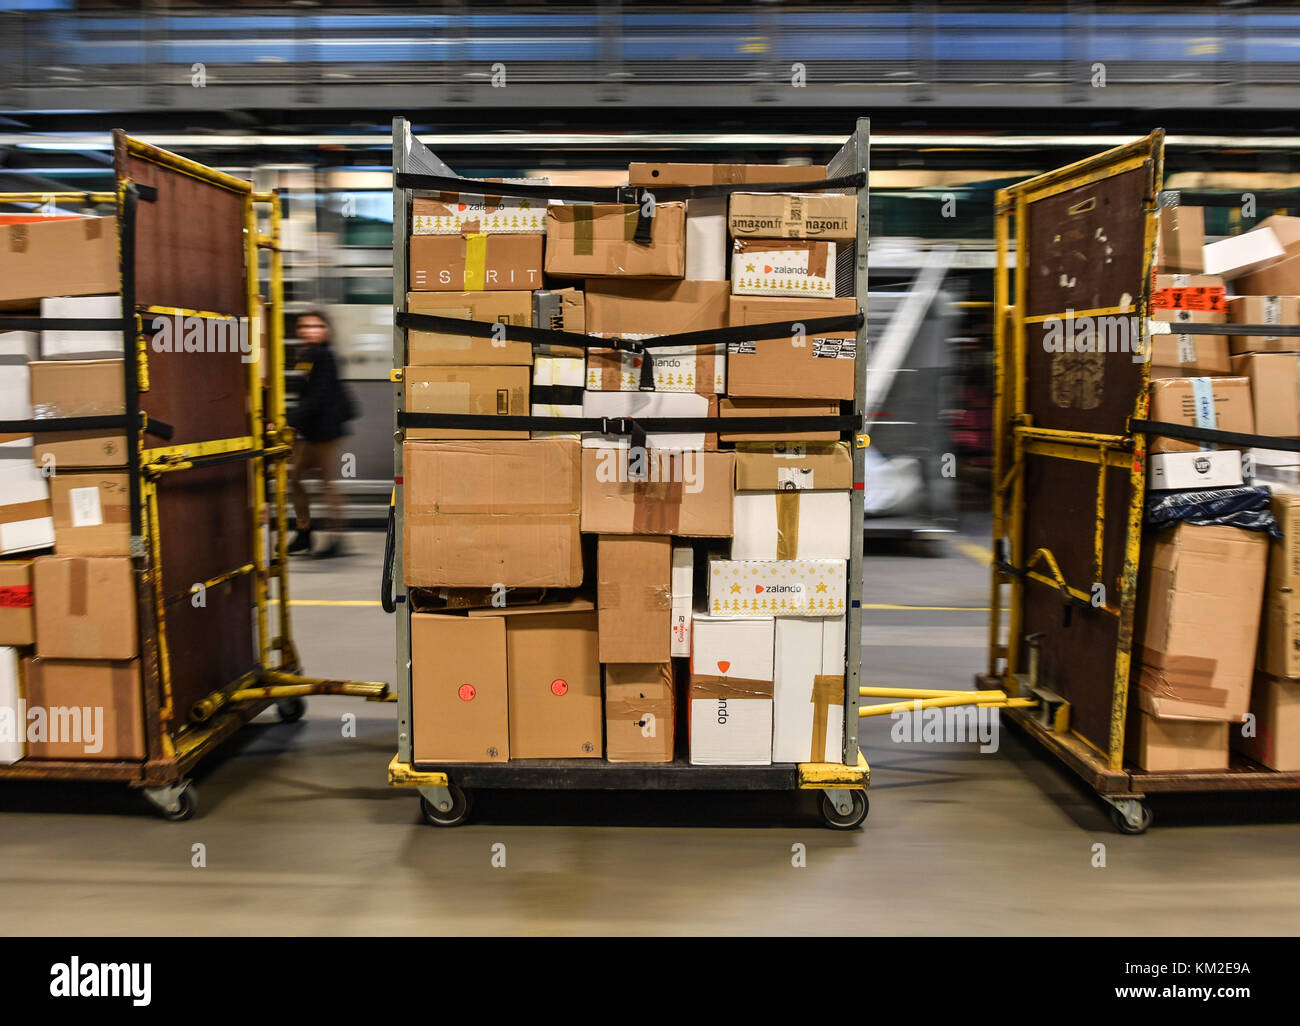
(928, 609)
(333, 602)
(979, 553)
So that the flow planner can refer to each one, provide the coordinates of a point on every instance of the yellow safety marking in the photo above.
(334, 602)
(182, 311)
(926, 609)
(979, 553)
(1101, 311)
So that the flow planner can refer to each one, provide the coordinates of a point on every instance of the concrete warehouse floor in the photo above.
(303, 836)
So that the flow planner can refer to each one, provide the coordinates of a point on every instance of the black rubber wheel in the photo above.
(454, 816)
(838, 821)
(1125, 827)
(189, 804)
(291, 709)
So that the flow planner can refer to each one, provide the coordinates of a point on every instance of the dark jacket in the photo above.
(323, 405)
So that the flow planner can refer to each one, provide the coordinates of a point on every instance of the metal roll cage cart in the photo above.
(201, 680)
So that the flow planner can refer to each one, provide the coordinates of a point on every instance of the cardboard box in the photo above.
(14, 746)
(1202, 588)
(731, 691)
(17, 624)
(792, 367)
(793, 467)
(1279, 642)
(1240, 255)
(688, 494)
(26, 517)
(1180, 240)
(597, 240)
(1287, 231)
(1175, 745)
(72, 257)
(553, 680)
(634, 597)
(1274, 391)
(642, 405)
(64, 344)
(1279, 279)
(803, 269)
(557, 390)
(808, 690)
(468, 213)
(778, 408)
(92, 513)
(793, 215)
(1221, 404)
(1178, 354)
(651, 173)
(459, 708)
(479, 514)
(1284, 552)
(573, 310)
(433, 348)
(1181, 471)
(1264, 310)
(94, 708)
(706, 239)
(86, 608)
(457, 263)
(682, 586)
(79, 388)
(640, 712)
(781, 587)
(17, 350)
(1275, 743)
(484, 391)
(790, 525)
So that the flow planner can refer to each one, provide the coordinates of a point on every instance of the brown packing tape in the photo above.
(19, 511)
(94, 228)
(657, 506)
(635, 708)
(121, 681)
(1181, 678)
(610, 362)
(658, 597)
(827, 690)
(787, 525)
(13, 438)
(78, 586)
(818, 252)
(584, 229)
(18, 238)
(705, 685)
(630, 218)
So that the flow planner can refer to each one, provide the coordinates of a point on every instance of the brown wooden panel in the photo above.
(204, 395)
(206, 523)
(211, 646)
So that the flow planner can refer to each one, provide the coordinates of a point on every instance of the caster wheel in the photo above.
(1125, 827)
(291, 709)
(189, 803)
(840, 821)
(454, 816)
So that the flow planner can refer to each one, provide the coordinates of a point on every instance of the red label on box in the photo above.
(1207, 298)
(559, 687)
(467, 692)
(16, 596)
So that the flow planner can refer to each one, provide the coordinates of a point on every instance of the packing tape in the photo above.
(657, 505)
(827, 690)
(705, 685)
(1182, 679)
(17, 512)
(122, 679)
(787, 525)
(818, 252)
(94, 227)
(78, 586)
(635, 708)
(584, 229)
(18, 238)
(475, 262)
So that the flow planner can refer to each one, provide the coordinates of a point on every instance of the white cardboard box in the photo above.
(468, 212)
(645, 404)
(777, 587)
(683, 583)
(17, 349)
(1238, 255)
(808, 690)
(1178, 471)
(26, 518)
(675, 368)
(706, 239)
(774, 270)
(790, 525)
(82, 345)
(13, 728)
(731, 691)
(557, 372)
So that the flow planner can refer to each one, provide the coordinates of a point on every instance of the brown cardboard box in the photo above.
(1202, 588)
(1286, 230)
(86, 607)
(1264, 310)
(458, 263)
(595, 240)
(1275, 704)
(500, 391)
(1284, 553)
(459, 710)
(432, 348)
(779, 466)
(1174, 401)
(91, 513)
(1279, 642)
(793, 215)
(1181, 238)
(778, 408)
(695, 504)
(74, 257)
(1274, 391)
(102, 694)
(1165, 745)
(1279, 279)
(640, 712)
(494, 512)
(1186, 355)
(652, 173)
(79, 388)
(573, 314)
(813, 367)
(634, 598)
(17, 625)
(553, 680)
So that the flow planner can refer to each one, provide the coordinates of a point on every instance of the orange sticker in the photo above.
(467, 692)
(559, 686)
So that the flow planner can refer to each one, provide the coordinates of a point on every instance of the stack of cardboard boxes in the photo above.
(573, 596)
(1219, 629)
(67, 618)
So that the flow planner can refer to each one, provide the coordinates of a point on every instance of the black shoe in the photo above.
(300, 543)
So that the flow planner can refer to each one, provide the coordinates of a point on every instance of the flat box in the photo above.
(1279, 642)
(65, 344)
(17, 623)
(11, 694)
(86, 609)
(474, 263)
(26, 517)
(808, 690)
(553, 680)
(790, 525)
(789, 367)
(793, 215)
(1279, 279)
(500, 391)
(1202, 588)
(484, 513)
(1186, 354)
(596, 240)
(731, 691)
(801, 268)
(778, 587)
(640, 712)
(79, 388)
(656, 173)
(688, 494)
(1181, 471)
(778, 408)
(1241, 255)
(642, 405)
(469, 213)
(634, 597)
(1180, 240)
(1274, 391)
(459, 708)
(793, 467)
(683, 584)
(92, 515)
(1275, 704)
(109, 690)
(435, 348)
(1220, 403)
(1264, 310)
(72, 257)
(1284, 552)
(557, 390)
(1164, 745)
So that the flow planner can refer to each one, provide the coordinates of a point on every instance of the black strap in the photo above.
(65, 323)
(1189, 328)
(557, 395)
(1266, 198)
(630, 426)
(626, 194)
(1199, 434)
(45, 425)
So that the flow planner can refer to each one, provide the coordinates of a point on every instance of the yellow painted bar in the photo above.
(58, 197)
(872, 691)
(1083, 455)
(942, 702)
(190, 450)
(1101, 311)
(403, 774)
(1000, 301)
(256, 427)
(1017, 415)
(822, 776)
(174, 161)
(149, 498)
(279, 429)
